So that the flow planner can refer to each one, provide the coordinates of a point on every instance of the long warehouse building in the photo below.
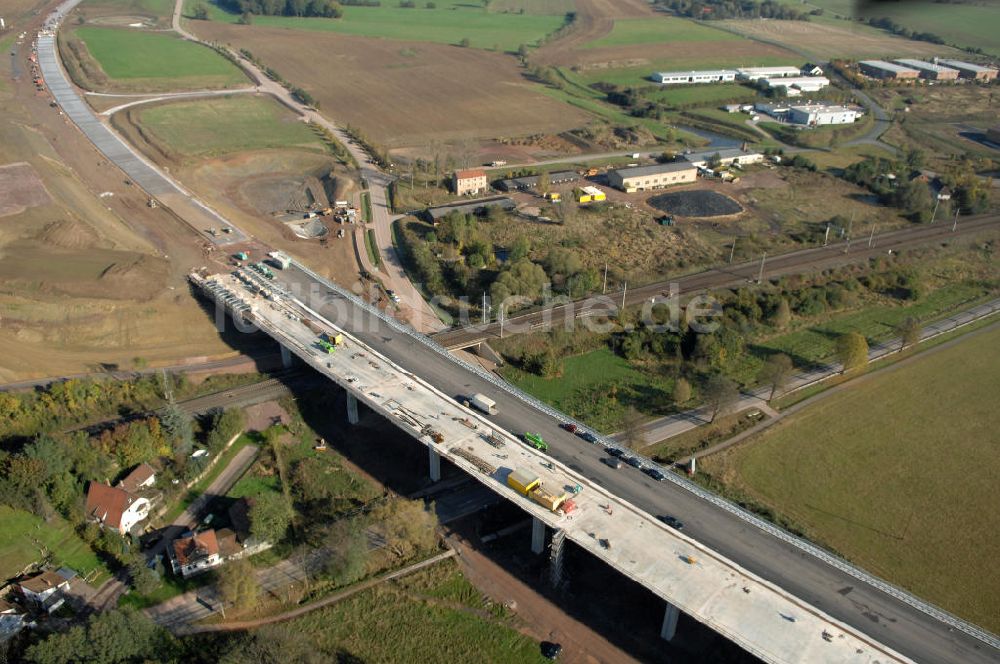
(657, 176)
(971, 71)
(886, 70)
(929, 70)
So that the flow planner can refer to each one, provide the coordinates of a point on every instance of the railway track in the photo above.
(795, 262)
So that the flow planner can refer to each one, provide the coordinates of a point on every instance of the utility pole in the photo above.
(826, 235)
(760, 277)
(936, 204)
(732, 251)
(486, 315)
(955, 225)
(604, 288)
(871, 238)
(500, 316)
(624, 290)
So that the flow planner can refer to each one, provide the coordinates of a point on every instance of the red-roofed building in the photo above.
(142, 477)
(470, 181)
(114, 508)
(195, 553)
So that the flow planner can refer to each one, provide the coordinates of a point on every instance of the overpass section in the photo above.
(870, 606)
(760, 617)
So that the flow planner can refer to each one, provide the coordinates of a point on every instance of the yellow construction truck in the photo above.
(530, 485)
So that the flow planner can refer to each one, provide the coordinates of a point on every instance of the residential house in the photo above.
(142, 477)
(195, 553)
(115, 508)
(44, 590)
(810, 69)
(470, 181)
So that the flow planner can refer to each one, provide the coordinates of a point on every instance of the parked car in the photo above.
(635, 462)
(613, 462)
(614, 451)
(589, 436)
(671, 521)
(655, 473)
(550, 650)
(569, 426)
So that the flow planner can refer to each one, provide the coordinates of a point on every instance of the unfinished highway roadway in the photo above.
(883, 613)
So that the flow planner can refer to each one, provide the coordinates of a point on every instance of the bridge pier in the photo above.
(435, 463)
(537, 535)
(286, 357)
(556, 552)
(669, 628)
(352, 408)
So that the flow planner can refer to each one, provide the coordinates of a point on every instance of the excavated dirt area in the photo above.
(695, 203)
(20, 188)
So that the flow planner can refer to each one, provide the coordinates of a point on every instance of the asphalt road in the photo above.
(795, 262)
(889, 620)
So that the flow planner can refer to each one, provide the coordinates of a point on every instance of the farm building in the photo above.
(930, 70)
(642, 178)
(970, 71)
(687, 77)
(726, 157)
(477, 206)
(531, 181)
(471, 181)
(810, 69)
(800, 83)
(813, 115)
(886, 70)
(754, 73)
(590, 195)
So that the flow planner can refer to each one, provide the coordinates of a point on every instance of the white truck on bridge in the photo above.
(484, 403)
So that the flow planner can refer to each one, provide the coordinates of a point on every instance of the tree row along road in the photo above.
(795, 262)
(911, 630)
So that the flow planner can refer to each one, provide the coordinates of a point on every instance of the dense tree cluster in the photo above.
(720, 9)
(889, 25)
(321, 8)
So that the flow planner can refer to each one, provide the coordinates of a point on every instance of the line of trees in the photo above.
(320, 8)
(722, 9)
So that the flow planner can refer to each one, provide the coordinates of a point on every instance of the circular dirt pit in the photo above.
(696, 203)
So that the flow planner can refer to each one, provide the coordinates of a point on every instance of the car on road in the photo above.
(393, 296)
(612, 462)
(673, 522)
(550, 650)
(655, 473)
(589, 436)
(614, 451)
(635, 462)
(569, 426)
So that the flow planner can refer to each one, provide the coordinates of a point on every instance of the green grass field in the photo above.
(593, 387)
(161, 9)
(432, 616)
(25, 536)
(817, 343)
(133, 56)
(659, 30)
(964, 25)
(703, 94)
(897, 473)
(449, 23)
(209, 127)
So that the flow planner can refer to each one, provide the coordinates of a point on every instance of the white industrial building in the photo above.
(688, 77)
(813, 115)
(726, 157)
(800, 83)
(754, 73)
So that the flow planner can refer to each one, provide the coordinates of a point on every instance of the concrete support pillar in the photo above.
(537, 535)
(670, 616)
(352, 408)
(286, 357)
(435, 463)
(556, 551)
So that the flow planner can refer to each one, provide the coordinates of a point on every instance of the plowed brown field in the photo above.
(406, 93)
